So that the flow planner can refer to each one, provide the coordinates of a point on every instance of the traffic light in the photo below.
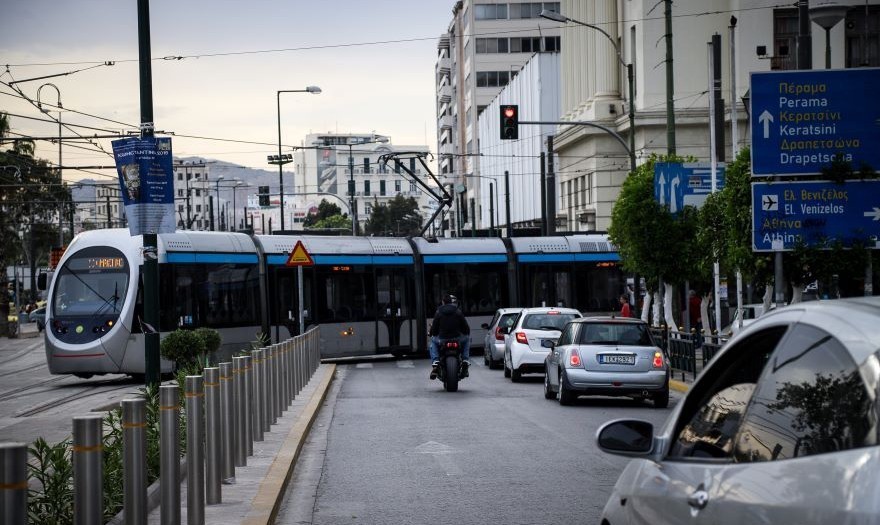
(264, 195)
(509, 122)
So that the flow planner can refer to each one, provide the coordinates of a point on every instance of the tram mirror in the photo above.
(41, 281)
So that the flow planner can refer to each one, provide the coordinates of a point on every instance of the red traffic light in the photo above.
(509, 122)
(509, 112)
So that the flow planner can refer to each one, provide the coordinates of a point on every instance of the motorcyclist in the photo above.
(449, 323)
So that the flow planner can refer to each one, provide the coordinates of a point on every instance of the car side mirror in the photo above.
(484, 326)
(548, 343)
(626, 437)
(41, 281)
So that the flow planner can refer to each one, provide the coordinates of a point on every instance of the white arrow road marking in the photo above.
(443, 454)
(662, 189)
(875, 214)
(673, 204)
(766, 118)
(364, 365)
(406, 363)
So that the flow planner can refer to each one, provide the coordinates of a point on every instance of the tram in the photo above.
(367, 295)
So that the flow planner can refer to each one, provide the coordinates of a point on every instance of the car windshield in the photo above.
(92, 282)
(547, 321)
(622, 334)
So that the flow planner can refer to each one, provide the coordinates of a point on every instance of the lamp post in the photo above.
(217, 193)
(352, 205)
(557, 17)
(827, 15)
(40, 107)
(281, 162)
(235, 189)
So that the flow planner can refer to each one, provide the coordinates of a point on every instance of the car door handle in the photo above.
(699, 499)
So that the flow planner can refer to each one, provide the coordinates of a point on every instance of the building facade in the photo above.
(485, 45)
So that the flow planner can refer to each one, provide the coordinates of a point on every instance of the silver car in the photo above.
(493, 344)
(606, 356)
(783, 426)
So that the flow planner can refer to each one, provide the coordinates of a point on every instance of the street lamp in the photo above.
(282, 161)
(827, 15)
(235, 187)
(217, 193)
(558, 17)
(352, 205)
(40, 107)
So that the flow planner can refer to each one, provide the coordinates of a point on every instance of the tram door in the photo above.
(394, 302)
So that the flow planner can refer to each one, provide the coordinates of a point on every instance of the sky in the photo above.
(387, 88)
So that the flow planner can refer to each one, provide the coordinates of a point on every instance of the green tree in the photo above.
(334, 222)
(30, 201)
(398, 218)
(325, 211)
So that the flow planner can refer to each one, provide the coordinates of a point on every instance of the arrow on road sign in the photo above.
(662, 189)
(766, 118)
(875, 214)
(673, 204)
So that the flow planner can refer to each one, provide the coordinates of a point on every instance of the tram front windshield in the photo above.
(92, 283)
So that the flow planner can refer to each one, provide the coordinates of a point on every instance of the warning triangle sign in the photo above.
(299, 256)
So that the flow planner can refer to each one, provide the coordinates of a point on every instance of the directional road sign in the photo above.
(814, 213)
(677, 185)
(299, 256)
(801, 120)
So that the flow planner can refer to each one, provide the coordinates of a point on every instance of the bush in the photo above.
(183, 347)
(211, 338)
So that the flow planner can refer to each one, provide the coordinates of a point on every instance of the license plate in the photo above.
(617, 359)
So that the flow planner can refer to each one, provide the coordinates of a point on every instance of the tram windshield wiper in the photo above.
(110, 300)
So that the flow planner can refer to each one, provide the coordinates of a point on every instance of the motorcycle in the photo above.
(450, 368)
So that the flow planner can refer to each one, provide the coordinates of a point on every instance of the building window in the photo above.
(198, 208)
(180, 208)
(552, 43)
(366, 187)
(785, 31)
(412, 164)
(412, 187)
(525, 45)
(180, 176)
(863, 43)
(366, 164)
(198, 193)
(397, 166)
(531, 9)
(180, 193)
(492, 79)
(382, 188)
(368, 208)
(490, 11)
(397, 186)
(491, 45)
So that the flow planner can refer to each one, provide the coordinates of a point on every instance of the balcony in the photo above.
(446, 122)
(445, 93)
(443, 65)
(447, 149)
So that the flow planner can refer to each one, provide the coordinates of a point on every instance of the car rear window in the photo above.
(623, 334)
(547, 321)
(507, 320)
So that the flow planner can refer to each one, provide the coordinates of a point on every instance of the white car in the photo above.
(493, 344)
(781, 427)
(530, 338)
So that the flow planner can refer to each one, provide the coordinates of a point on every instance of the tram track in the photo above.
(91, 390)
(25, 369)
(16, 392)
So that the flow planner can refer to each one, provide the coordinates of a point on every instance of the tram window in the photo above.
(344, 297)
(597, 289)
(231, 294)
(480, 288)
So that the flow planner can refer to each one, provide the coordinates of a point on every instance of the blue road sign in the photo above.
(814, 213)
(802, 119)
(677, 185)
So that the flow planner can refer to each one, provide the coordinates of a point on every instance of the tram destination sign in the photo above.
(814, 213)
(802, 120)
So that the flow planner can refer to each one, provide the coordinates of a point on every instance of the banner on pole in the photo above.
(146, 181)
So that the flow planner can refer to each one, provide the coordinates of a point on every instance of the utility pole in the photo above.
(151, 241)
(670, 83)
(507, 200)
(492, 209)
(473, 219)
(543, 194)
(211, 208)
(551, 189)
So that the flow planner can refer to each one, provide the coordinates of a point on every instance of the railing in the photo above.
(689, 353)
(227, 409)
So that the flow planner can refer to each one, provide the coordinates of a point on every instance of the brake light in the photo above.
(575, 358)
(658, 360)
(499, 336)
(553, 313)
(521, 338)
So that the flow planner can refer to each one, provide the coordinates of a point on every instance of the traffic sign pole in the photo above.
(300, 257)
(299, 291)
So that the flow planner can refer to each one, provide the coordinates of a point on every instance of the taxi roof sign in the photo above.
(299, 256)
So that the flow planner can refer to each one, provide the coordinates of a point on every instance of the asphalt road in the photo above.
(35, 403)
(391, 447)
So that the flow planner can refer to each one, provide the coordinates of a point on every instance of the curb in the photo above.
(267, 502)
(678, 386)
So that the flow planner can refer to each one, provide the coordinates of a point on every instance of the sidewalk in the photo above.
(259, 487)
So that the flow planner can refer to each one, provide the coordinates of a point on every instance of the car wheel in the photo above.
(661, 399)
(564, 395)
(548, 392)
(515, 375)
(506, 369)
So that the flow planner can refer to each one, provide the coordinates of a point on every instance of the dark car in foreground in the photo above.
(783, 426)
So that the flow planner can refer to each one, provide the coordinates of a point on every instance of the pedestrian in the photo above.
(625, 310)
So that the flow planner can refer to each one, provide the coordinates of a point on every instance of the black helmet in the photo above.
(449, 299)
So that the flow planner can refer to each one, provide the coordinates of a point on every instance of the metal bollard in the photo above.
(248, 402)
(213, 457)
(227, 423)
(270, 383)
(285, 400)
(88, 474)
(169, 453)
(13, 483)
(278, 386)
(195, 451)
(238, 401)
(258, 393)
(298, 363)
(290, 375)
(134, 462)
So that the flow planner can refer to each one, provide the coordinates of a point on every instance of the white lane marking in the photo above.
(406, 363)
(364, 365)
(443, 454)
